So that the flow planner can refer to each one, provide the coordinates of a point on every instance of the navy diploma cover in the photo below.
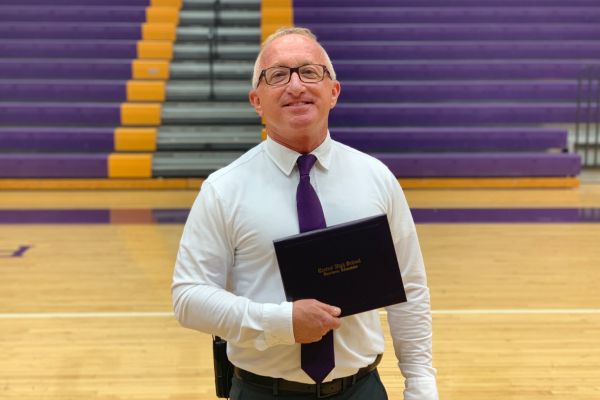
(352, 266)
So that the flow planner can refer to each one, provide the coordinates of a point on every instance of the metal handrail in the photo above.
(587, 123)
(596, 143)
(213, 39)
(211, 54)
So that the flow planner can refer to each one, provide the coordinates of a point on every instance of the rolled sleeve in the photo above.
(201, 299)
(410, 322)
(420, 389)
(278, 324)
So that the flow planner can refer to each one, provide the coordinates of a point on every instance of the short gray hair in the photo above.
(289, 30)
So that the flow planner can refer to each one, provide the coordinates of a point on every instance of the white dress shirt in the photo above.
(227, 282)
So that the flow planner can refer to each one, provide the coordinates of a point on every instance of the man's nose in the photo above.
(295, 84)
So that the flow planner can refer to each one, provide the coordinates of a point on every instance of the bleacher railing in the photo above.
(587, 126)
(213, 39)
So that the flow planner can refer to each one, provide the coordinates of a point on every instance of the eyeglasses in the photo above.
(309, 73)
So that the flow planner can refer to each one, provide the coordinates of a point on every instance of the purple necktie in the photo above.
(317, 358)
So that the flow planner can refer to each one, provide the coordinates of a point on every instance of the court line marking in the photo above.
(520, 311)
(123, 314)
(165, 314)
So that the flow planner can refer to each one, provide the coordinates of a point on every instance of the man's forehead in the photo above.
(292, 48)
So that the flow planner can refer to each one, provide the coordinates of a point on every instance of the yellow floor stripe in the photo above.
(101, 184)
(195, 183)
(489, 183)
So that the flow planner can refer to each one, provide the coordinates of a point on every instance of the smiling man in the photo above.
(227, 282)
(295, 108)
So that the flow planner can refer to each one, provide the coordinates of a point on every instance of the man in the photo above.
(226, 280)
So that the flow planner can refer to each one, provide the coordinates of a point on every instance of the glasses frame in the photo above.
(263, 74)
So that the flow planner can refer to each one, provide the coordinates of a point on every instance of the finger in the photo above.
(331, 310)
(337, 322)
(331, 323)
(335, 311)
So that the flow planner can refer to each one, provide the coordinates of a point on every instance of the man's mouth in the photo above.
(297, 103)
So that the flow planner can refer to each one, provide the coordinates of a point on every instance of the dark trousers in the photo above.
(368, 388)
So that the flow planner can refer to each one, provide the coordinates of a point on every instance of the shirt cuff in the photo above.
(420, 389)
(278, 324)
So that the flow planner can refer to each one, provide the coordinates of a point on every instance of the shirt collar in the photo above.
(285, 158)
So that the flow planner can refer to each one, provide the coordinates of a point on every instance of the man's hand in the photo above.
(313, 319)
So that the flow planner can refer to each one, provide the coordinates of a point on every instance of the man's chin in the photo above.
(302, 126)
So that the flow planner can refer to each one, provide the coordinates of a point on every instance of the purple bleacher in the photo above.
(418, 139)
(48, 139)
(53, 114)
(458, 88)
(406, 15)
(481, 164)
(41, 90)
(457, 69)
(452, 31)
(65, 69)
(439, 3)
(70, 13)
(71, 31)
(349, 50)
(451, 114)
(353, 91)
(53, 165)
(406, 91)
(63, 48)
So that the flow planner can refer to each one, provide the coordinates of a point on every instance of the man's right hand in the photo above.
(313, 319)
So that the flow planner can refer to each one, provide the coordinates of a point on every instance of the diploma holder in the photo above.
(352, 266)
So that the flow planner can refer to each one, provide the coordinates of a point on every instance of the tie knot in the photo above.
(305, 163)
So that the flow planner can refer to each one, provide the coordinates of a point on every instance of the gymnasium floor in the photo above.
(85, 307)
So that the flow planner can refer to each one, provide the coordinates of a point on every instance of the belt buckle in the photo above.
(326, 395)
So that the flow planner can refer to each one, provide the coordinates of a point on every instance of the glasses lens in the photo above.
(277, 75)
(311, 73)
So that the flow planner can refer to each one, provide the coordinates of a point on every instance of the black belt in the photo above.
(278, 386)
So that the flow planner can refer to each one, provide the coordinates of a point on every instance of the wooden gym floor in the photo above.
(85, 308)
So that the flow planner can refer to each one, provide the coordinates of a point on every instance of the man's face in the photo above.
(295, 114)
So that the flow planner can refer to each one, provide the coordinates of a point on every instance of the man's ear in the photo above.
(335, 93)
(255, 101)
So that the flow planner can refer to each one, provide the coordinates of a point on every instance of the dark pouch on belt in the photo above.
(223, 368)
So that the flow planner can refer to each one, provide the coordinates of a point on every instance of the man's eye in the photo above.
(278, 74)
(310, 73)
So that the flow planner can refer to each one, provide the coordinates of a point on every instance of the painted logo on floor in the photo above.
(14, 253)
